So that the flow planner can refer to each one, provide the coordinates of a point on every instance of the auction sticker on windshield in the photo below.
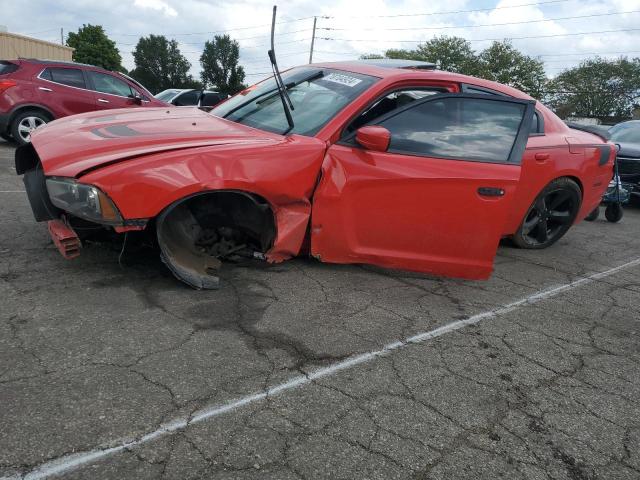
(342, 79)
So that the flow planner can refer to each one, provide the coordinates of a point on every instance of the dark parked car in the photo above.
(189, 97)
(34, 92)
(627, 135)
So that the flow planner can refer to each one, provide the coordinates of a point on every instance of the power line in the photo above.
(41, 31)
(280, 55)
(483, 39)
(333, 17)
(454, 11)
(486, 24)
(222, 31)
(330, 52)
(585, 53)
(266, 35)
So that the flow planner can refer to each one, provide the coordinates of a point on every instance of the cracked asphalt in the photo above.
(94, 353)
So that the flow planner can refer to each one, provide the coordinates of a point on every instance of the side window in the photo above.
(537, 124)
(108, 84)
(187, 99)
(389, 102)
(66, 76)
(457, 128)
(480, 90)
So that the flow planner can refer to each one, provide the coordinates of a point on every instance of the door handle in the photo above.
(541, 157)
(102, 100)
(491, 191)
(45, 89)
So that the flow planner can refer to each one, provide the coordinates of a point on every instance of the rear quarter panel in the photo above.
(572, 154)
(24, 93)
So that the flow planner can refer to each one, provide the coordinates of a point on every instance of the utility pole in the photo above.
(313, 39)
(62, 36)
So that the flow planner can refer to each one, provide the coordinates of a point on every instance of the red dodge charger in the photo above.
(391, 163)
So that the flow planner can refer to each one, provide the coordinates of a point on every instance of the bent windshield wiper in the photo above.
(284, 96)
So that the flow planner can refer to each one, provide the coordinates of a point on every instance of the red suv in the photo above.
(34, 92)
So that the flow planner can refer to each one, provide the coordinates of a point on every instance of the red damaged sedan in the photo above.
(389, 163)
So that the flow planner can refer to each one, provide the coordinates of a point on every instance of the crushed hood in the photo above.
(73, 145)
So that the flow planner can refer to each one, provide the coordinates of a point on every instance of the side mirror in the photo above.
(373, 137)
(137, 99)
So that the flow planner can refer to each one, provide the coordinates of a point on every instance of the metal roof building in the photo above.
(14, 46)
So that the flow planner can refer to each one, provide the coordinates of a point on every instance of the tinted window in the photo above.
(391, 101)
(108, 84)
(187, 98)
(461, 128)
(7, 67)
(480, 91)
(536, 124)
(167, 95)
(66, 76)
(211, 99)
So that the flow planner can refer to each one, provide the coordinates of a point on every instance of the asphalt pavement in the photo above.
(112, 369)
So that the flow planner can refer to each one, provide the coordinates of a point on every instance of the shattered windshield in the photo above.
(317, 95)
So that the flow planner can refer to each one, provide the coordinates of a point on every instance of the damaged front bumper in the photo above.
(59, 220)
(65, 238)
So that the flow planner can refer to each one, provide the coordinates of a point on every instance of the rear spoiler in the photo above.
(598, 131)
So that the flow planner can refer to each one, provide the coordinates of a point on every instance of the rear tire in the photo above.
(6, 136)
(25, 122)
(550, 216)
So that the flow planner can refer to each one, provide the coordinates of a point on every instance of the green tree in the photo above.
(371, 56)
(92, 46)
(453, 54)
(403, 54)
(220, 68)
(160, 65)
(597, 88)
(503, 63)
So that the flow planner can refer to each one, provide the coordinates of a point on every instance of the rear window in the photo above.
(72, 77)
(7, 67)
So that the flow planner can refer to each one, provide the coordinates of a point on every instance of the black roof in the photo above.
(398, 63)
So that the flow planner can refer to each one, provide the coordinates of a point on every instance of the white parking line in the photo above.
(76, 460)
(12, 191)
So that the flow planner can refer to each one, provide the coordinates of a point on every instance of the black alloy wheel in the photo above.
(551, 215)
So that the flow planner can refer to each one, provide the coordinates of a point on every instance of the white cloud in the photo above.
(159, 5)
(192, 22)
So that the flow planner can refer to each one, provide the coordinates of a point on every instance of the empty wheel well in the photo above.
(196, 232)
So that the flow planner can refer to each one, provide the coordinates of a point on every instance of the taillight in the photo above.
(4, 84)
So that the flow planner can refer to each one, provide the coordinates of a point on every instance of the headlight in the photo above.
(84, 201)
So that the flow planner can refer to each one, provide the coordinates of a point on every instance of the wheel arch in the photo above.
(29, 106)
(179, 226)
(575, 178)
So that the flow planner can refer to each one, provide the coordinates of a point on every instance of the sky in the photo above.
(345, 29)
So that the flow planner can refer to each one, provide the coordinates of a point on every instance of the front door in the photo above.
(437, 200)
(111, 92)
